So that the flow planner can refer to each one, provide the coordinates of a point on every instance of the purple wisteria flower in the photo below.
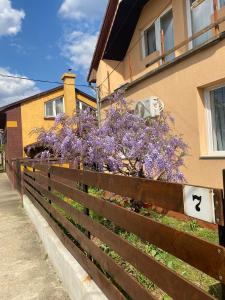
(124, 143)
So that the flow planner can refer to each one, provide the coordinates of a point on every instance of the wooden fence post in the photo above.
(33, 170)
(17, 174)
(222, 229)
(22, 181)
(24, 169)
(86, 210)
(49, 182)
(84, 188)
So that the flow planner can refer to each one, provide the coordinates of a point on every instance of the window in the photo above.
(199, 16)
(152, 35)
(83, 106)
(215, 108)
(54, 108)
(166, 23)
(222, 3)
(150, 40)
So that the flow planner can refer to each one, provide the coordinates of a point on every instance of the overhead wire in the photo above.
(83, 85)
(41, 80)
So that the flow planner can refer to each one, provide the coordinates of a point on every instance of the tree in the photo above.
(123, 144)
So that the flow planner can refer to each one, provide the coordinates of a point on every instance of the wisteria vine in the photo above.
(124, 143)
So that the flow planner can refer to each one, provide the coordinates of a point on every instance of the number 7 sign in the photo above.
(199, 203)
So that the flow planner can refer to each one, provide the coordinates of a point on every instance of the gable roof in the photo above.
(42, 94)
(117, 30)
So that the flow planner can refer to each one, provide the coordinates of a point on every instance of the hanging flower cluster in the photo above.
(124, 143)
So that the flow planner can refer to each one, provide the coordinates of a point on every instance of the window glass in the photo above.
(77, 106)
(84, 106)
(222, 3)
(167, 28)
(217, 101)
(59, 106)
(49, 112)
(150, 40)
(201, 13)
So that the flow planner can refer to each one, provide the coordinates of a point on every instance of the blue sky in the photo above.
(41, 39)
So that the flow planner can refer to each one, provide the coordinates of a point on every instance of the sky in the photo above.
(42, 39)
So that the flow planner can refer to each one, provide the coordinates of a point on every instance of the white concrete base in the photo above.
(76, 281)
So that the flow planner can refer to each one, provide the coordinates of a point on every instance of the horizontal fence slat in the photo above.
(127, 282)
(104, 284)
(38, 177)
(168, 196)
(40, 167)
(155, 271)
(157, 193)
(203, 255)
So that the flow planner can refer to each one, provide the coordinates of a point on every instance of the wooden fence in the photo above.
(49, 186)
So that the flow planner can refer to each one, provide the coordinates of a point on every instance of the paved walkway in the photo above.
(25, 271)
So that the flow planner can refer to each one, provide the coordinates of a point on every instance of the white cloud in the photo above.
(78, 48)
(82, 9)
(12, 89)
(10, 18)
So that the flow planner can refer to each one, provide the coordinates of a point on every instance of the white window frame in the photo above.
(143, 44)
(54, 107)
(157, 33)
(209, 123)
(189, 23)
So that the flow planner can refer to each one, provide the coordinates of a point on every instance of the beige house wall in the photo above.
(181, 87)
(108, 80)
(134, 63)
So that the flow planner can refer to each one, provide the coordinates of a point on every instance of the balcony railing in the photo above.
(213, 26)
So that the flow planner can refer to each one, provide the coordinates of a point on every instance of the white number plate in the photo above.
(199, 203)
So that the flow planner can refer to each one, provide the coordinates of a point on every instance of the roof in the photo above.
(86, 95)
(104, 33)
(117, 29)
(42, 94)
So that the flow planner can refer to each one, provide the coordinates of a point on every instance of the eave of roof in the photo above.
(116, 30)
(104, 34)
(86, 95)
(42, 94)
(33, 97)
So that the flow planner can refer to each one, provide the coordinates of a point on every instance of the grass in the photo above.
(197, 277)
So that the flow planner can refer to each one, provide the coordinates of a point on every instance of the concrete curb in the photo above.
(75, 280)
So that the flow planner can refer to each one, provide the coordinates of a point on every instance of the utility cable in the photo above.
(41, 80)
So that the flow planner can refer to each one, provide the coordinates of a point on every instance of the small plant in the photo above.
(193, 225)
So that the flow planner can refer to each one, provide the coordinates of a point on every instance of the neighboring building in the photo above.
(18, 119)
(132, 50)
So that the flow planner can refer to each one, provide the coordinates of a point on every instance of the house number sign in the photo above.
(199, 203)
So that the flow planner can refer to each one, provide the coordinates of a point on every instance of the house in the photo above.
(173, 50)
(18, 119)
